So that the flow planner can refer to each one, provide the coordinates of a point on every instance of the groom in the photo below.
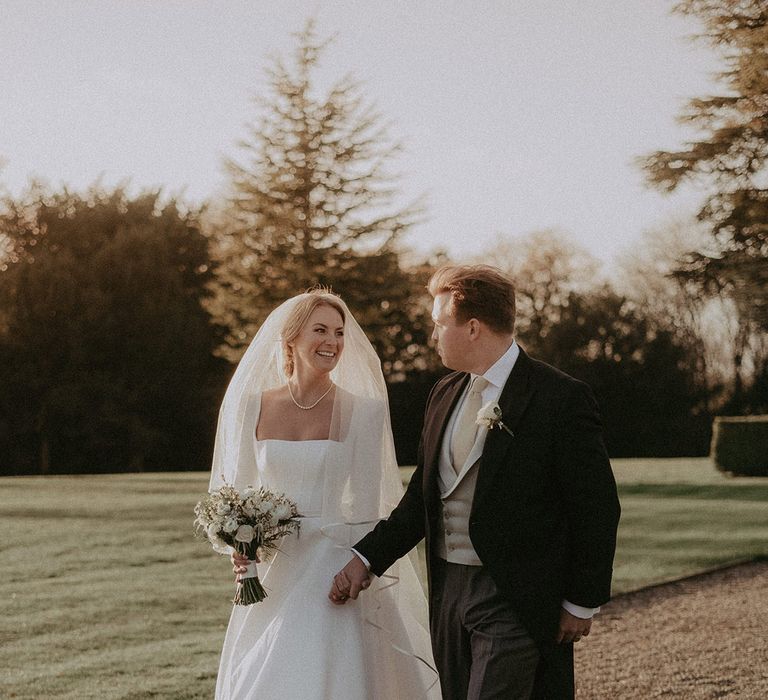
(520, 517)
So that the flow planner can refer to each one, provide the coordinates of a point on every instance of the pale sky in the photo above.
(515, 115)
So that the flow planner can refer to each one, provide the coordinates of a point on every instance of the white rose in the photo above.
(489, 414)
(282, 512)
(249, 492)
(230, 525)
(249, 509)
(212, 531)
(223, 508)
(266, 506)
(244, 533)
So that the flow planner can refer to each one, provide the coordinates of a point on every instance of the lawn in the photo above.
(105, 594)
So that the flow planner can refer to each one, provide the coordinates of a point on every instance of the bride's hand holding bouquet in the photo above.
(248, 522)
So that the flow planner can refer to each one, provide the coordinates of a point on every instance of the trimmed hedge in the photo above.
(740, 445)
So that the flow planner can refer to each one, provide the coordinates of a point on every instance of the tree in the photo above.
(730, 158)
(645, 372)
(311, 203)
(107, 352)
(547, 267)
(646, 275)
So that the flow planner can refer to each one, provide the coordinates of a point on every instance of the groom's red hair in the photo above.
(477, 291)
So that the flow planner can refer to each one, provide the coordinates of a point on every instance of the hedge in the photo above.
(740, 445)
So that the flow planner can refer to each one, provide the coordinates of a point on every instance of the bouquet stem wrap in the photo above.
(249, 588)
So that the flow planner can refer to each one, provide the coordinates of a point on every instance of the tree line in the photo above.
(122, 315)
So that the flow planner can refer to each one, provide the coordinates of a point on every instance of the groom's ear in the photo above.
(473, 326)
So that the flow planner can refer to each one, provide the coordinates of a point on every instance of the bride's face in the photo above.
(320, 342)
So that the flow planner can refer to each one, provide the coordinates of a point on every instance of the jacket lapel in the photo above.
(435, 423)
(513, 401)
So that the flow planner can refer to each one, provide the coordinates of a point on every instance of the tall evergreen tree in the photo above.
(312, 203)
(730, 159)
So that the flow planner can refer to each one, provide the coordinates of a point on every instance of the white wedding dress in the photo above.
(297, 645)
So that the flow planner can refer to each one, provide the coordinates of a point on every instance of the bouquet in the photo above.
(249, 521)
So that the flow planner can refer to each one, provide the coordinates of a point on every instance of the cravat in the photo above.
(465, 430)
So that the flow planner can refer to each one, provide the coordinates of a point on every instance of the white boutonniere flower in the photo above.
(490, 416)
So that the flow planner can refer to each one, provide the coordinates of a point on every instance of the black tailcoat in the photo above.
(545, 510)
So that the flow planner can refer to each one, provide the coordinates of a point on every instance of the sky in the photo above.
(515, 115)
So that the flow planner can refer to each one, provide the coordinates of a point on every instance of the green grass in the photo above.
(105, 594)
(682, 516)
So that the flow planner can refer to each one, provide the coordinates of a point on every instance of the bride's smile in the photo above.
(319, 345)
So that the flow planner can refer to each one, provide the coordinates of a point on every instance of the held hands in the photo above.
(240, 563)
(348, 583)
(572, 628)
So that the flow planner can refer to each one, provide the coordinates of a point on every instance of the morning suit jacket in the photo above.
(545, 510)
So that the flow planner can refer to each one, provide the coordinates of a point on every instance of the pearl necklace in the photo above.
(307, 408)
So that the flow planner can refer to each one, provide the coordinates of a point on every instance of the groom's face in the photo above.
(451, 338)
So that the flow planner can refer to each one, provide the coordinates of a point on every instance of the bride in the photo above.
(306, 414)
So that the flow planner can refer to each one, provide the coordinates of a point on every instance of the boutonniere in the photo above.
(490, 416)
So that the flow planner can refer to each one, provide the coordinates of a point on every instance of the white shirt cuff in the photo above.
(575, 610)
(362, 559)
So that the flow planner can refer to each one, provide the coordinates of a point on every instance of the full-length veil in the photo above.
(361, 482)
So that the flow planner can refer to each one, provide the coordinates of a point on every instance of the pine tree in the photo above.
(311, 203)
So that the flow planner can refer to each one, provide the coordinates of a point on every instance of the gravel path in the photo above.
(702, 637)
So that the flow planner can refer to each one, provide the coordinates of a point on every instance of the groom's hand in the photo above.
(572, 628)
(348, 583)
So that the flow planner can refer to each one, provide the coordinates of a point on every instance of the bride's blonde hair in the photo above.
(300, 315)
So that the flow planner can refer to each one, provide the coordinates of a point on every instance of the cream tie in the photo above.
(465, 430)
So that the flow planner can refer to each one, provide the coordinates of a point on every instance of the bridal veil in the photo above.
(361, 482)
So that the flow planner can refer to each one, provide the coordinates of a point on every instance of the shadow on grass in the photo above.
(731, 492)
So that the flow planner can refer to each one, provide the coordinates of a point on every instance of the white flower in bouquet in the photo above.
(249, 509)
(265, 506)
(249, 492)
(212, 531)
(245, 533)
(230, 525)
(282, 511)
(223, 508)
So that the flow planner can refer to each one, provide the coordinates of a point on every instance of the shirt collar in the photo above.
(498, 373)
